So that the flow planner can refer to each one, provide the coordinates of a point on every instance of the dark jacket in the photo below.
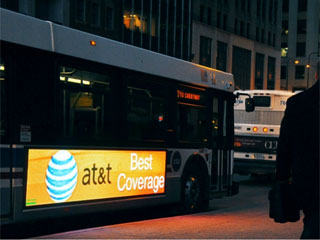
(298, 147)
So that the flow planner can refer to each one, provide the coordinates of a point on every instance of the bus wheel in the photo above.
(192, 190)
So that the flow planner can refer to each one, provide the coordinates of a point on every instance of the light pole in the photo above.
(308, 66)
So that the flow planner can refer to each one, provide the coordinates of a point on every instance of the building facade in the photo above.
(300, 44)
(241, 37)
(162, 26)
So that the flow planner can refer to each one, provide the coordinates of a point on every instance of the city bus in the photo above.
(89, 125)
(256, 133)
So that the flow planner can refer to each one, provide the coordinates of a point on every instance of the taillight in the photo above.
(265, 129)
(255, 129)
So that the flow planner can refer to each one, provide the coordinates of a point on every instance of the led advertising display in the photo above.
(59, 176)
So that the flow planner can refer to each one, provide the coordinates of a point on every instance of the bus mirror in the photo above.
(249, 104)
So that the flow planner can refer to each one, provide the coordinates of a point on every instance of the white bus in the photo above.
(89, 125)
(257, 132)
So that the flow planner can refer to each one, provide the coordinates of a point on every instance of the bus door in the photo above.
(221, 168)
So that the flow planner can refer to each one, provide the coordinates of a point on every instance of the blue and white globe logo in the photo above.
(62, 176)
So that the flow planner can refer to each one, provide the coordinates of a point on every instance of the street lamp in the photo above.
(308, 66)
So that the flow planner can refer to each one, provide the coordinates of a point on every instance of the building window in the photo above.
(283, 72)
(241, 67)
(95, 14)
(269, 38)
(262, 36)
(270, 10)
(301, 49)
(218, 19)
(243, 5)
(205, 51)
(264, 9)
(222, 56)
(271, 73)
(258, 8)
(257, 34)
(259, 71)
(236, 26)
(241, 28)
(201, 13)
(225, 20)
(302, 5)
(275, 19)
(302, 26)
(109, 18)
(299, 72)
(284, 30)
(285, 6)
(209, 16)
(81, 10)
(248, 30)
(284, 49)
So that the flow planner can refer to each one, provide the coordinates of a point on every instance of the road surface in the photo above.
(244, 216)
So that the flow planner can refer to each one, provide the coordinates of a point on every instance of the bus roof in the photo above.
(32, 32)
(267, 92)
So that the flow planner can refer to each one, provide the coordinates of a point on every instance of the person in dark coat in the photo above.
(298, 155)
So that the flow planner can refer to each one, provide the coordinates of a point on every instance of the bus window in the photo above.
(192, 124)
(146, 117)
(84, 102)
(2, 100)
(262, 101)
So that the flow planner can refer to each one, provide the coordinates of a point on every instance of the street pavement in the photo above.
(244, 216)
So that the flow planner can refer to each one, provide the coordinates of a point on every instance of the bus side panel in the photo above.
(5, 180)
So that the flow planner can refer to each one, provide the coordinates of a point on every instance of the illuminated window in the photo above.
(284, 49)
(135, 22)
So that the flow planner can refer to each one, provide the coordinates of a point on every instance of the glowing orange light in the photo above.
(237, 144)
(255, 129)
(308, 66)
(93, 43)
(265, 129)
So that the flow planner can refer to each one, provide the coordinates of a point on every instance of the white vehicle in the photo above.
(89, 125)
(257, 132)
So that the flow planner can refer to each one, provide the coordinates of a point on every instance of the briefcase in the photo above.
(283, 205)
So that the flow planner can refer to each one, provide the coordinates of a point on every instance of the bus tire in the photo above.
(193, 198)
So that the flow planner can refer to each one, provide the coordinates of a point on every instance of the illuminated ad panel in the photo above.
(59, 176)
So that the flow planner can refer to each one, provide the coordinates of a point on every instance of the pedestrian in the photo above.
(298, 155)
